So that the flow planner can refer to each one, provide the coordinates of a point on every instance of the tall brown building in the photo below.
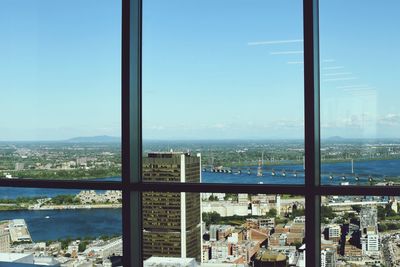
(171, 221)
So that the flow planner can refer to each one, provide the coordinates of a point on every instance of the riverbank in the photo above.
(15, 207)
(300, 162)
(75, 207)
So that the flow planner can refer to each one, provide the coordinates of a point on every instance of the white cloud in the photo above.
(390, 119)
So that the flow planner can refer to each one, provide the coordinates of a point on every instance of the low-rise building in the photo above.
(19, 231)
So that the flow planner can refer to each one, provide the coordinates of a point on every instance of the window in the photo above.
(60, 148)
(144, 193)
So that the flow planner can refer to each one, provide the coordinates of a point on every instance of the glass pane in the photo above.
(223, 229)
(360, 230)
(360, 119)
(60, 226)
(60, 87)
(226, 82)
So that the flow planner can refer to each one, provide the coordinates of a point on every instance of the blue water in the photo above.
(12, 193)
(376, 169)
(96, 222)
(68, 223)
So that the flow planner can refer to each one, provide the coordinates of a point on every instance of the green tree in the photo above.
(381, 213)
(82, 246)
(272, 213)
(326, 212)
(211, 217)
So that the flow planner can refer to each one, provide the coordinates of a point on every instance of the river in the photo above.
(96, 222)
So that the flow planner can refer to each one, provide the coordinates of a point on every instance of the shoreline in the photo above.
(75, 207)
(10, 207)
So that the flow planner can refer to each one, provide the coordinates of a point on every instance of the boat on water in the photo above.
(283, 173)
(260, 182)
(273, 173)
(47, 217)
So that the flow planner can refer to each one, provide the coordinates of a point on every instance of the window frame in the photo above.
(131, 149)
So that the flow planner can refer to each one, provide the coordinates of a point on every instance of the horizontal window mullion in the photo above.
(359, 190)
(216, 188)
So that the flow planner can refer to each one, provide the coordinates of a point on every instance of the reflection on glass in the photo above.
(226, 83)
(60, 85)
(54, 226)
(360, 230)
(223, 228)
(359, 109)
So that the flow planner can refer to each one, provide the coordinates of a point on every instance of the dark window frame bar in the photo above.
(132, 186)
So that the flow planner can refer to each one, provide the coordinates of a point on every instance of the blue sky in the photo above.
(211, 69)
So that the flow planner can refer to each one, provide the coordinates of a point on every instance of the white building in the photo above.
(334, 231)
(106, 249)
(19, 231)
(226, 208)
(170, 262)
(219, 250)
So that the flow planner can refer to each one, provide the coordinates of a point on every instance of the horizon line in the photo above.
(70, 140)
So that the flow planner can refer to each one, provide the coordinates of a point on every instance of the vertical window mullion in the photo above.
(131, 130)
(312, 131)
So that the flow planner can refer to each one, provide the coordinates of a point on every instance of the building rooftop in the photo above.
(170, 261)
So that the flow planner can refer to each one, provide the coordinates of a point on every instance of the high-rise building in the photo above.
(369, 239)
(368, 218)
(328, 258)
(171, 221)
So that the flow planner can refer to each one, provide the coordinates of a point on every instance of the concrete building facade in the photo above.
(171, 221)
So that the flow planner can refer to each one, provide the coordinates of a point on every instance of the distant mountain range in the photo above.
(95, 139)
(336, 138)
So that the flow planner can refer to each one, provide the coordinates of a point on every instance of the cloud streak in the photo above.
(286, 52)
(340, 79)
(275, 42)
(333, 68)
(328, 60)
(353, 86)
(337, 74)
